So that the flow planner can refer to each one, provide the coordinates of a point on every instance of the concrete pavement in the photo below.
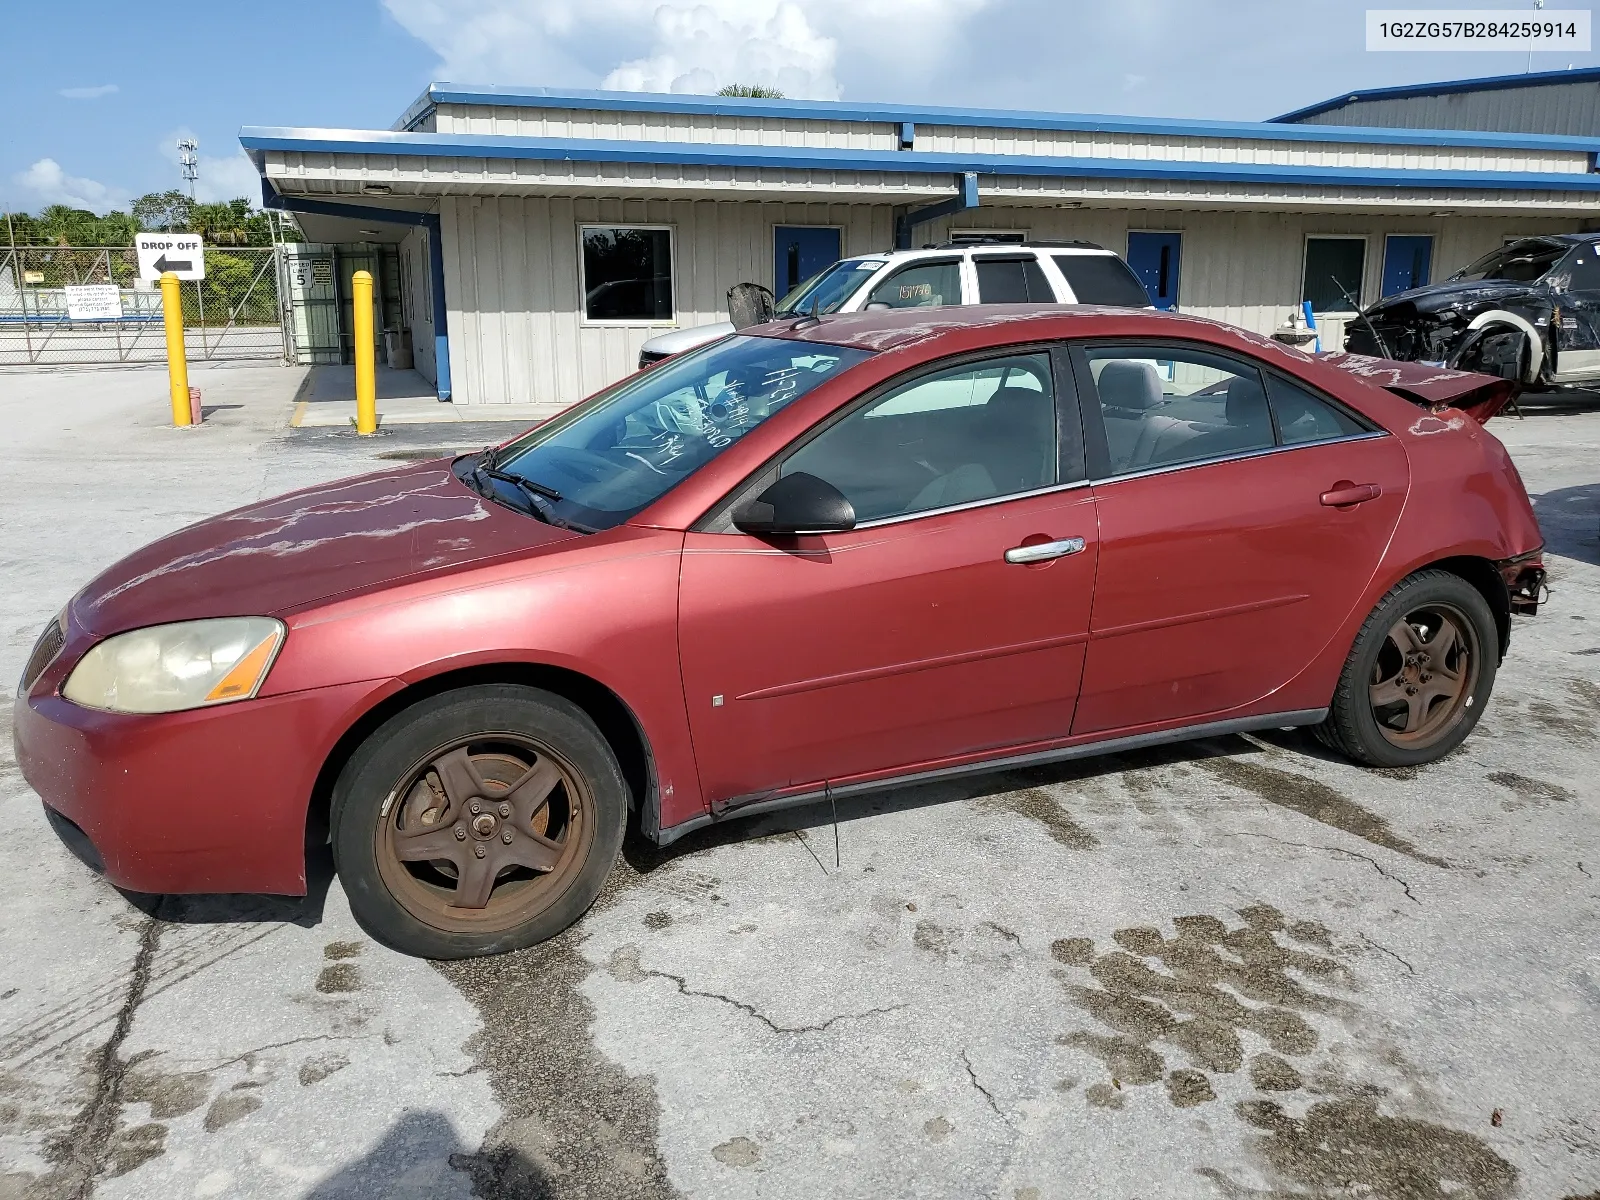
(1238, 968)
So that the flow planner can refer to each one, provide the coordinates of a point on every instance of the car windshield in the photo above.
(1521, 262)
(606, 459)
(829, 289)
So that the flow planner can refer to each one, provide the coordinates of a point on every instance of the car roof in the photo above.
(891, 329)
(946, 249)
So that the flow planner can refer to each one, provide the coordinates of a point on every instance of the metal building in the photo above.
(1561, 102)
(542, 236)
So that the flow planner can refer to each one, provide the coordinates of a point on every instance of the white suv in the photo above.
(955, 273)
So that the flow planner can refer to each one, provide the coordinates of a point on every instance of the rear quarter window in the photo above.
(1102, 279)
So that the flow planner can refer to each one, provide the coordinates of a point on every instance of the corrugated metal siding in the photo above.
(955, 139)
(1246, 268)
(321, 174)
(1567, 108)
(665, 127)
(511, 277)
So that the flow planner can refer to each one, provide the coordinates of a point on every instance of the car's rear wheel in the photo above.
(1418, 676)
(478, 821)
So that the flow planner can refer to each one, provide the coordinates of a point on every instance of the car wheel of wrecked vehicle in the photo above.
(478, 821)
(1418, 676)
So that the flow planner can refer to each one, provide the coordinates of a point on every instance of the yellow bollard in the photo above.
(366, 353)
(177, 360)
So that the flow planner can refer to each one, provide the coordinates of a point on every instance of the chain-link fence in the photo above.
(232, 313)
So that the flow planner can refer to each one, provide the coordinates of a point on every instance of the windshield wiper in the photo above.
(539, 497)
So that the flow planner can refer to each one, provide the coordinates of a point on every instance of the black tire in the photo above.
(411, 905)
(1374, 734)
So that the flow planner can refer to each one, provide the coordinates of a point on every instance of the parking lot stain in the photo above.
(738, 1152)
(1535, 792)
(315, 1070)
(1316, 800)
(168, 1096)
(1198, 990)
(657, 920)
(937, 1129)
(1346, 1147)
(228, 1108)
(574, 1123)
(339, 977)
(1039, 805)
(340, 950)
(1186, 1088)
(130, 1149)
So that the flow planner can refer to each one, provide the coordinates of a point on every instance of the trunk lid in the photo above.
(1479, 396)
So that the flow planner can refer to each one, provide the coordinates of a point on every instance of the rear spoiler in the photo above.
(1479, 396)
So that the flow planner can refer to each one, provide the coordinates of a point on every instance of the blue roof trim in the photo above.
(991, 118)
(1489, 83)
(900, 162)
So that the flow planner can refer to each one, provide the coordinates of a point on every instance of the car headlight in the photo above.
(168, 668)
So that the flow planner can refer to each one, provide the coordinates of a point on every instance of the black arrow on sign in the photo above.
(164, 264)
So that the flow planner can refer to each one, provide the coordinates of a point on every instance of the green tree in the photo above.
(754, 91)
(167, 210)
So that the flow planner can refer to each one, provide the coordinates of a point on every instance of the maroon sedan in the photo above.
(833, 555)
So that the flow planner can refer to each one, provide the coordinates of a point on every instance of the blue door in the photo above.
(798, 253)
(1407, 259)
(1154, 259)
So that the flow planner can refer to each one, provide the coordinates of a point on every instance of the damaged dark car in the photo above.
(1529, 312)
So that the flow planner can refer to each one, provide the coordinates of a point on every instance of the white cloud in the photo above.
(221, 178)
(88, 93)
(689, 45)
(45, 183)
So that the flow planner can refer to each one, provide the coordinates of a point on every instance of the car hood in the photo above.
(279, 555)
(1452, 294)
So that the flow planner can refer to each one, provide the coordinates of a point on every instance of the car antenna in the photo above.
(827, 786)
(1377, 337)
(816, 302)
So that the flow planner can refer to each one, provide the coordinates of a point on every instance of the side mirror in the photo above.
(798, 503)
(876, 306)
(749, 304)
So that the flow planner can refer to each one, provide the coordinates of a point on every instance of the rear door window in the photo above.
(1011, 280)
(1303, 416)
(1102, 279)
(926, 284)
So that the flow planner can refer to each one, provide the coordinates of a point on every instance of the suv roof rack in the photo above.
(1029, 244)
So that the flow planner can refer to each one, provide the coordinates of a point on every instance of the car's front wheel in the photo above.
(478, 821)
(1418, 676)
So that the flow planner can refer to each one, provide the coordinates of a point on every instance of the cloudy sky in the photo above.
(92, 117)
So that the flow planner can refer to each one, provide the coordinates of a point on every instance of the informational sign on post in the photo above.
(94, 302)
(181, 253)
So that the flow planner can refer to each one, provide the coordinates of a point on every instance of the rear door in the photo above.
(1224, 565)
(1576, 284)
(951, 621)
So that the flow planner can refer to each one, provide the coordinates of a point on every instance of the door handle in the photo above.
(1345, 495)
(1045, 551)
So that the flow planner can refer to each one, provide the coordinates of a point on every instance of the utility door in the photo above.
(1407, 262)
(1154, 259)
(799, 252)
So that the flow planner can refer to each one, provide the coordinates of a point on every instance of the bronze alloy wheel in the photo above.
(1425, 675)
(484, 834)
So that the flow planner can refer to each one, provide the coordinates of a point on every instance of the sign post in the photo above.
(177, 362)
(366, 353)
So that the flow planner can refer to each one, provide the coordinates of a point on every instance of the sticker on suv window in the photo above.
(916, 291)
(871, 264)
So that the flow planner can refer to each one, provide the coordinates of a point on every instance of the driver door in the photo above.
(911, 638)
(1576, 293)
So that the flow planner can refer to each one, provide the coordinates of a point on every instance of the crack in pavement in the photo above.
(80, 1152)
(1366, 858)
(633, 971)
(1381, 948)
(244, 1055)
(1585, 870)
(966, 1061)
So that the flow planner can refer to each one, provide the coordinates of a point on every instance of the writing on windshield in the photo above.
(612, 456)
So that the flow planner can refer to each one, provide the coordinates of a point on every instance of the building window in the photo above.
(1334, 267)
(627, 272)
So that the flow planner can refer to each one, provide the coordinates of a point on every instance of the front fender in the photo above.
(1501, 316)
